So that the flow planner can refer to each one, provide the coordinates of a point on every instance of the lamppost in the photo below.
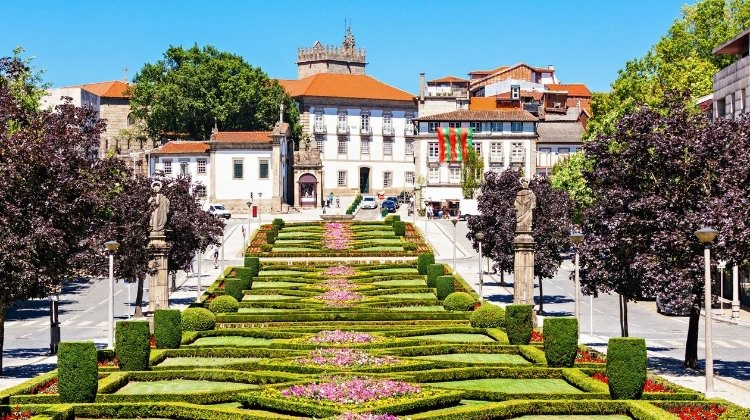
(249, 214)
(454, 221)
(577, 238)
(721, 265)
(260, 208)
(200, 268)
(427, 201)
(111, 247)
(706, 236)
(480, 237)
(415, 204)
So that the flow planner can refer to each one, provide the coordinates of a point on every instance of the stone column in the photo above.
(523, 269)
(158, 284)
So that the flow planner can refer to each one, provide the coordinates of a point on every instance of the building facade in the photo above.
(731, 96)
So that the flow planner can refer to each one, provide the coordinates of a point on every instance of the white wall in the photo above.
(228, 188)
(192, 168)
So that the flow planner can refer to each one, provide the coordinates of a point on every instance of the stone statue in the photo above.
(525, 205)
(160, 205)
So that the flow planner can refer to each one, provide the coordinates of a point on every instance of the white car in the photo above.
(217, 210)
(369, 202)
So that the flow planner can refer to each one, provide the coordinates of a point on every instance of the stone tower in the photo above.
(346, 59)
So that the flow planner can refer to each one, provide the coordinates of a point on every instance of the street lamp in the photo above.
(200, 268)
(249, 215)
(480, 237)
(415, 204)
(454, 221)
(260, 196)
(577, 238)
(722, 264)
(706, 236)
(111, 247)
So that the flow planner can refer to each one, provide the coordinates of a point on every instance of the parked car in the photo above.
(395, 201)
(403, 197)
(666, 307)
(467, 208)
(369, 202)
(217, 210)
(389, 205)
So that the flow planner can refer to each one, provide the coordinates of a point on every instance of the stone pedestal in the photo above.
(523, 269)
(158, 284)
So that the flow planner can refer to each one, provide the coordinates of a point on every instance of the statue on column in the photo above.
(525, 205)
(160, 204)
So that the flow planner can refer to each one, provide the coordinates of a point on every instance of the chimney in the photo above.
(421, 87)
(551, 67)
(281, 113)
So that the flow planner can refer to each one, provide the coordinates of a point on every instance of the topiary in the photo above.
(388, 220)
(246, 277)
(488, 316)
(409, 246)
(167, 328)
(395, 218)
(271, 236)
(626, 367)
(279, 223)
(519, 323)
(266, 247)
(560, 341)
(132, 344)
(433, 272)
(383, 212)
(459, 301)
(444, 286)
(77, 371)
(234, 288)
(399, 228)
(223, 304)
(424, 260)
(253, 264)
(198, 319)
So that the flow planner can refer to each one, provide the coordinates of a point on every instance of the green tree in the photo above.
(567, 176)
(472, 174)
(190, 90)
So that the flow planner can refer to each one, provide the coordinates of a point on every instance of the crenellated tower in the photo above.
(345, 59)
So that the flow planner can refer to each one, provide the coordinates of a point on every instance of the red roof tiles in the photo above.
(355, 86)
(182, 148)
(573, 89)
(242, 136)
(113, 89)
(482, 115)
(448, 79)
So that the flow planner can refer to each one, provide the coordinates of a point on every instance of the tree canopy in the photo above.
(190, 90)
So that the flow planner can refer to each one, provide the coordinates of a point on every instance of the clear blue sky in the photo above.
(588, 41)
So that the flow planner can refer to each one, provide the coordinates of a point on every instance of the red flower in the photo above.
(536, 337)
(698, 411)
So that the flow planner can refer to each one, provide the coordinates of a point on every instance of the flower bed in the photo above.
(341, 337)
(48, 388)
(340, 298)
(339, 271)
(649, 386)
(338, 284)
(337, 236)
(536, 336)
(584, 356)
(351, 390)
(366, 416)
(17, 414)
(345, 358)
(696, 411)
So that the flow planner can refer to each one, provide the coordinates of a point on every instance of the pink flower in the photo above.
(339, 271)
(345, 358)
(341, 337)
(337, 236)
(354, 390)
(340, 298)
(366, 416)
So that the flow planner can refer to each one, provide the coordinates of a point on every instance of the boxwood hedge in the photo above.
(626, 367)
(444, 286)
(424, 260)
(560, 341)
(132, 344)
(519, 323)
(167, 328)
(78, 374)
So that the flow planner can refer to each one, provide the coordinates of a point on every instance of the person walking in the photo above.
(216, 257)
(338, 202)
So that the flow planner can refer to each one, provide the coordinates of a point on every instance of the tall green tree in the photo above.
(472, 171)
(190, 90)
(567, 176)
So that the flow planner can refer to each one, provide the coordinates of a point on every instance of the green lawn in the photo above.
(418, 308)
(292, 241)
(232, 340)
(410, 296)
(293, 249)
(415, 282)
(255, 298)
(289, 273)
(512, 386)
(478, 358)
(403, 270)
(470, 338)
(381, 248)
(360, 233)
(581, 417)
(180, 386)
(384, 241)
(298, 235)
(261, 310)
(206, 361)
(275, 284)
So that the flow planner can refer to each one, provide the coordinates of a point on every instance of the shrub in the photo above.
(560, 341)
(626, 367)
(383, 212)
(233, 287)
(246, 277)
(266, 247)
(132, 344)
(224, 304)
(444, 286)
(279, 223)
(271, 236)
(424, 260)
(488, 316)
(198, 319)
(409, 246)
(433, 272)
(399, 228)
(519, 323)
(167, 328)
(78, 373)
(253, 264)
(459, 301)
(395, 218)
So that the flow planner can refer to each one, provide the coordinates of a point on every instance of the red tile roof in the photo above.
(355, 86)
(242, 136)
(113, 89)
(573, 89)
(182, 148)
(482, 115)
(448, 79)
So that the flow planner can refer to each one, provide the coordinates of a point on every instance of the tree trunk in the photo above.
(2, 335)
(625, 317)
(138, 312)
(502, 277)
(541, 297)
(174, 281)
(691, 346)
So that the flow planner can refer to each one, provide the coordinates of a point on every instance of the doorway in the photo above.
(364, 180)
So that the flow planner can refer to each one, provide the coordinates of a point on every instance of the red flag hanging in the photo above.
(454, 140)
(441, 144)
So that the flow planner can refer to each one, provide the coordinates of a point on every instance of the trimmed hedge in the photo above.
(246, 276)
(626, 367)
(444, 286)
(233, 287)
(433, 272)
(224, 304)
(399, 228)
(519, 323)
(198, 319)
(279, 223)
(167, 328)
(423, 261)
(132, 344)
(77, 371)
(270, 237)
(458, 301)
(253, 263)
(488, 316)
(560, 341)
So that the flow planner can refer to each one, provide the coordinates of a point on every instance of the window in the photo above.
(738, 97)
(478, 149)
(517, 152)
(496, 127)
(130, 120)
(201, 166)
(433, 176)
(237, 168)
(387, 179)
(387, 124)
(746, 102)
(320, 143)
(200, 190)
(364, 147)
(496, 151)
(342, 179)
(455, 175)
(184, 166)
(263, 169)
(342, 146)
(515, 92)
(516, 127)
(543, 157)
(432, 151)
(476, 126)
(563, 151)
(409, 130)
(168, 166)
(409, 148)
(409, 177)
(341, 125)
(387, 148)
(728, 102)
(318, 125)
(454, 125)
(432, 127)
(365, 123)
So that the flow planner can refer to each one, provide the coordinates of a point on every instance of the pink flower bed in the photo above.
(337, 236)
(354, 390)
(339, 271)
(341, 337)
(340, 298)
(366, 416)
(338, 284)
(345, 358)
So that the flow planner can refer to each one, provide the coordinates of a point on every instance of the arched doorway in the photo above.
(308, 190)
(364, 180)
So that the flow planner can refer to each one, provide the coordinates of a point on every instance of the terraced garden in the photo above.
(344, 340)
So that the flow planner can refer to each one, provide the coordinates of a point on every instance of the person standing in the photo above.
(216, 257)
(330, 199)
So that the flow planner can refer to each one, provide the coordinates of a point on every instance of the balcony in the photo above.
(517, 159)
(365, 131)
(342, 129)
(496, 159)
(431, 159)
(388, 131)
(319, 128)
(410, 130)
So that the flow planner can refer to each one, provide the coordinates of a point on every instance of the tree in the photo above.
(567, 176)
(190, 90)
(472, 174)
(50, 188)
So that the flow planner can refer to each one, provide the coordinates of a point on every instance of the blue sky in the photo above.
(588, 41)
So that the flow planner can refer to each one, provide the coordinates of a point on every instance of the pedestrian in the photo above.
(243, 234)
(330, 199)
(216, 257)
(429, 212)
(338, 202)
